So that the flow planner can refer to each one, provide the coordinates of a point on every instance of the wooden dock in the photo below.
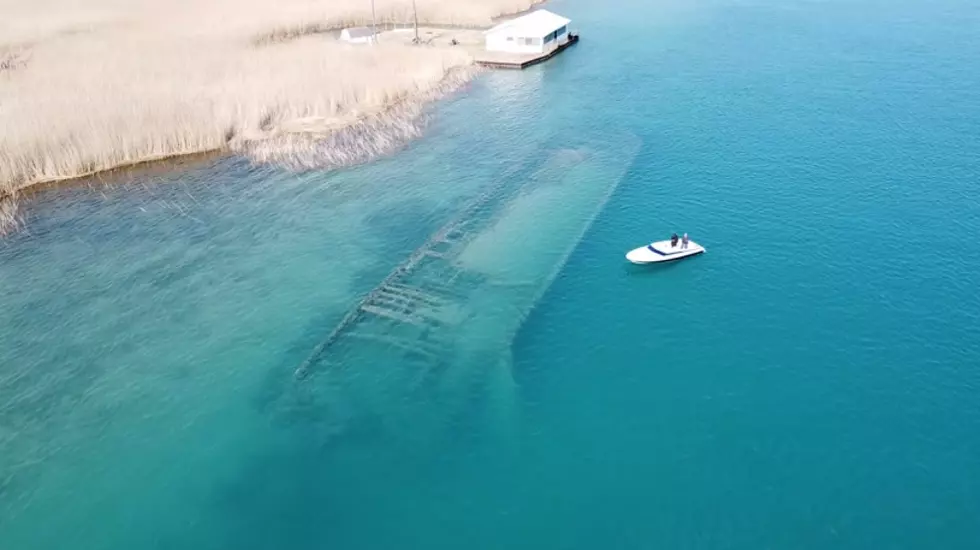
(503, 60)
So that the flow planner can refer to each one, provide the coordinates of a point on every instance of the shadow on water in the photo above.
(652, 270)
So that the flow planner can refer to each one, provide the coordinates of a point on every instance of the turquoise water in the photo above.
(810, 382)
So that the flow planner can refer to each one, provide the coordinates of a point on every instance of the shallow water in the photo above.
(811, 381)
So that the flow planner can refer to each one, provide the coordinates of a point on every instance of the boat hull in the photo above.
(662, 252)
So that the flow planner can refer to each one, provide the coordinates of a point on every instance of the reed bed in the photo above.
(116, 82)
(8, 211)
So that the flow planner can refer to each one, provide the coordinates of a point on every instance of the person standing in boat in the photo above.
(673, 240)
(684, 241)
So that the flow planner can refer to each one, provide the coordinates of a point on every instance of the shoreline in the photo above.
(235, 98)
(12, 198)
(450, 80)
(138, 168)
(228, 147)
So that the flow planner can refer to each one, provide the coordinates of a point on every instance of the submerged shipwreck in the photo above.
(431, 343)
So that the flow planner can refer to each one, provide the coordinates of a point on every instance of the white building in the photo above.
(537, 32)
(357, 35)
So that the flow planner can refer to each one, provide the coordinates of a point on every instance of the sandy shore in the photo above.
(88, 88)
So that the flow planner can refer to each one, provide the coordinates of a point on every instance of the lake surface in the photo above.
(813, 381)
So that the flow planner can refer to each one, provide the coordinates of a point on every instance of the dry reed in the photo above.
(8, 211)
(370, 137)
(118, 82)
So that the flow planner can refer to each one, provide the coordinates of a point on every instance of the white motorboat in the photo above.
(662, 251)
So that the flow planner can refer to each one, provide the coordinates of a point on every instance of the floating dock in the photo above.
(504, 60)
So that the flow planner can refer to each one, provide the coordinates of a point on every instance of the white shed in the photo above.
(357, 35)
(537, 32)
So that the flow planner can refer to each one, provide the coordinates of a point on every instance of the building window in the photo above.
(510, 38)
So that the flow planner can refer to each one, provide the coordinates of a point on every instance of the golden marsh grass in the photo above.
(114, 82)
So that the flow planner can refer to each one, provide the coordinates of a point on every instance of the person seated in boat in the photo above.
(673, 240)
(684, 241)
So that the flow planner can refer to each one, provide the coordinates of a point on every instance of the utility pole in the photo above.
(374, 25)
(415, 10)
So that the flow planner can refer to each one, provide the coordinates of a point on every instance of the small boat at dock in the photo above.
(664, 251)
